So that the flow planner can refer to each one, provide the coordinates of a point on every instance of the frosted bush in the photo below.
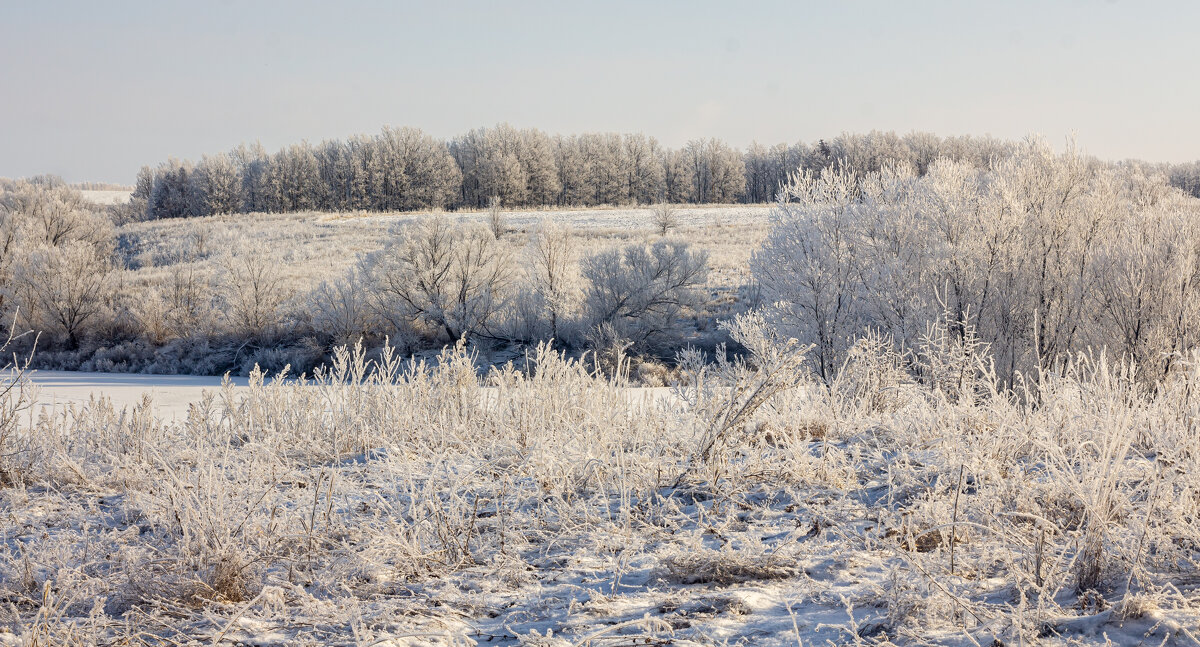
(452, 279)
(642, 291)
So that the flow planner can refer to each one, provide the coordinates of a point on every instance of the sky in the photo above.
(92, 91)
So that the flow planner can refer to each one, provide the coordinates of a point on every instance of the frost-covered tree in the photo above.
(341, 310)
(174, 195)
(762, 173)
(404, 169)
(415, 171)
(453, 279)
(253, 161)
(677, 177)
(641, 291)
(55, 258)
(253, 290)
(644, 169)
(807, 266)
(61, 289)
(715, 171)
(295, 179)
(1186, 177)
(53, 215)
(574, 171)
(536, 154)
(666, 217)
(8, 252)
(1041, 256)
(216, 186)
(1147, 280)
(923, 149)
(490, 161)
(552, 273)
(871, 152)
(606, 168)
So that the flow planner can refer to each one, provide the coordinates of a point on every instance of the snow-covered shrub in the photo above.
(451, 278)
(14, 399)
(874, 378)
(642, 291)
(180, 301)
(495, 220)
(253, 290)
(385, 485)
(726, 396)
(552, 276)
(341, 311)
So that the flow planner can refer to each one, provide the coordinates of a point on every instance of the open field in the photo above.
(618, 218)
(106, 197)
(318, 246)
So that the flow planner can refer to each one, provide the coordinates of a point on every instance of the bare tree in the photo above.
(341, 309)
(666, 218)
(254, 289)
(452, 278)
(61, 289)
(640, 291)
(179, 305)
(553, 271)
(496, 221)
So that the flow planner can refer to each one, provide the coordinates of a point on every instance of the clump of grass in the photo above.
(725, 567)
(15, 398)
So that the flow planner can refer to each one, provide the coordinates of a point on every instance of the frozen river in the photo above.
(171, 394)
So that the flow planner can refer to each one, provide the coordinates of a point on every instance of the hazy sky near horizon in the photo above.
(92, 91)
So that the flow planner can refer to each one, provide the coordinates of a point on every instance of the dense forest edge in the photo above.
(404, 169)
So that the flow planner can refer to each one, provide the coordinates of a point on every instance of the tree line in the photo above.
(404, 169)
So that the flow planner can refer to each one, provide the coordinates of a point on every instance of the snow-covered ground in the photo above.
(620, 218)
(106, 197)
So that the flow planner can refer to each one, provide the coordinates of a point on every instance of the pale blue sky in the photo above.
(93, 90)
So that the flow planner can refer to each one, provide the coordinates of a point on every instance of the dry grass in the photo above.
(728, 567)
